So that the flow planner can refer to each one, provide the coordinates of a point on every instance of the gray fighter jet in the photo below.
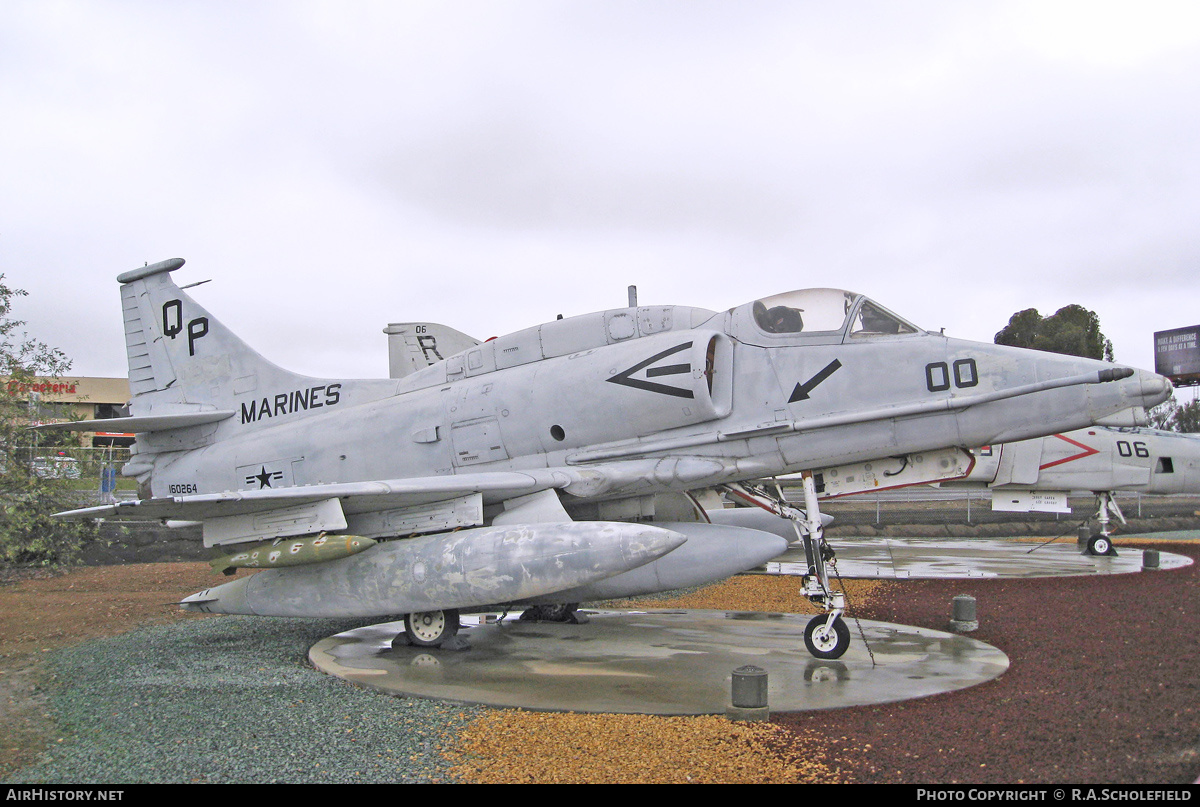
(1036, 475)
(555, 465)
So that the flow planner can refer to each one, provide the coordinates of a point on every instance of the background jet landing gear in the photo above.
(1100, 543)
(565, 612)
(432, 629)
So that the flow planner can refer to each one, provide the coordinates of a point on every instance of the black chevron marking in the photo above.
(624, 378)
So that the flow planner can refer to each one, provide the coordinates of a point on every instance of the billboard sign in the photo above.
(1177, 354)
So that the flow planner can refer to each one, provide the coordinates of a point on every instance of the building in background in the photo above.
(52, 400)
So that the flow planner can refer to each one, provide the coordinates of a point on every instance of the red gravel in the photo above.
(1103, 685)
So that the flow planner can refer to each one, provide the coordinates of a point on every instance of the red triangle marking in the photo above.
(1087, 452)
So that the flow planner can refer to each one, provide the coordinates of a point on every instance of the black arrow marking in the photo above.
(800, 393)
(623, 377)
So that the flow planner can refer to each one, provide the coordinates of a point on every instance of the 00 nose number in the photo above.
(938, 374)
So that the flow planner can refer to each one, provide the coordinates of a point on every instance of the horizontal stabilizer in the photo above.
(141, 425)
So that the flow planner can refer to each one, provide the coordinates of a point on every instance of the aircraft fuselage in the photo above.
(707, 403)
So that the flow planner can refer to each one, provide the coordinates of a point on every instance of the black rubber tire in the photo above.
(830, 646)
(431, 628)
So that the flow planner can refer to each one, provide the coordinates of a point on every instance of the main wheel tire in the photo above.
(826, 643)
(1099, 544)
(431, 628)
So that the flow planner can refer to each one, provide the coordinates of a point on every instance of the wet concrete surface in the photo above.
(660, 662)
(682, 662)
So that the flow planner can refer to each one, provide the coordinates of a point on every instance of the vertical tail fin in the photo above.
(150, 368)
(194, 382)
(414, 346)
(182, 359)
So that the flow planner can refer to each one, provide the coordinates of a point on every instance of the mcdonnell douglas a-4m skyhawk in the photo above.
(555, 465)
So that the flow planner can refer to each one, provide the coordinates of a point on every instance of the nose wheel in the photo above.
(826, 638)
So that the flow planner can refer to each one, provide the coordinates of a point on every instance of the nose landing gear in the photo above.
(826, 635)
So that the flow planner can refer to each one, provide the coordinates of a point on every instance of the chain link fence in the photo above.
(94, 473)
(928, 505)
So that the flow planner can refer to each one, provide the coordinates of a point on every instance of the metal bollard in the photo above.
(964, 618)
(1149, 558)
(750, 687)
(749, 694)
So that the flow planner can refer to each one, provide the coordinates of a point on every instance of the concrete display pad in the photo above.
(659, 662)
(936, 558)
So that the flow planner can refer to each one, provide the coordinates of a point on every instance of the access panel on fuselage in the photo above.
(473, 411)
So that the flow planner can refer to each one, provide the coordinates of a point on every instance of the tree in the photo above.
(1188, 417)
(1170, 416)
(1073, 330)
(28, 535)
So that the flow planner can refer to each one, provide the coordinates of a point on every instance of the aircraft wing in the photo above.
(355, 497)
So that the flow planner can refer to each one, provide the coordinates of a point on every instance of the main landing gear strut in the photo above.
(826, 636)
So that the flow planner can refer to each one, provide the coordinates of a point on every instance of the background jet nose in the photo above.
(1155, 388)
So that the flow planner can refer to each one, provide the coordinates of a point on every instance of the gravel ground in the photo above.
(1102, 688)
(231, 700)
(1103, 685)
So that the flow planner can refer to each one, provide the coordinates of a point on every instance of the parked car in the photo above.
(56, 467)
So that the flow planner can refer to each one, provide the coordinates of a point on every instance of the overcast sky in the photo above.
(335, 166)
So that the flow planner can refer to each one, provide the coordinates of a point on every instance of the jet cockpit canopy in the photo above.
(823, 316)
